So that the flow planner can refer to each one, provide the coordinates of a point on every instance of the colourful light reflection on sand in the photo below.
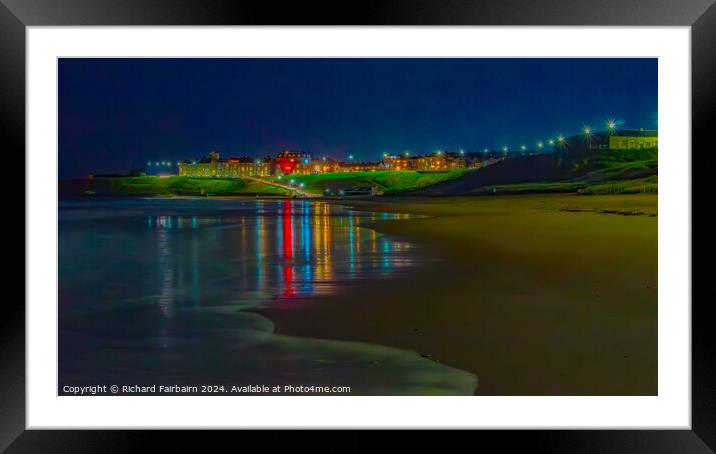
(274, 250)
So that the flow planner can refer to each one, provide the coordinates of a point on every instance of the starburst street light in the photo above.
(462, 152)
(611, 125)
(504, 149)
(540, 144)
(550, 141)
(560, 138)
(350, 156)
(407, 153)
(587, 131)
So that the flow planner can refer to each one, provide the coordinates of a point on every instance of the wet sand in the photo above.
(536, 294)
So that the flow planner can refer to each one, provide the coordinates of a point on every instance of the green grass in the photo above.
(388, 182)
(615, 172)
(527, 188)
(175, 185)
(647, 185)
(614, 157)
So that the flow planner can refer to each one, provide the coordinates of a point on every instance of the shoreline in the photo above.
(530, 296)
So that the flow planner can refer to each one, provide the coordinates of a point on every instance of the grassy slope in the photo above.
(387, 181)
(610, 172)
(536, 294)
(156, 186)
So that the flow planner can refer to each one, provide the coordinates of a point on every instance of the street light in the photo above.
(523, 147)
(611, 125)
(540, 144)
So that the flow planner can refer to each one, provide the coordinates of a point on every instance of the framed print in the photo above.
(416, 216)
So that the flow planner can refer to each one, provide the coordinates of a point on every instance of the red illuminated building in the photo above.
(289, 161)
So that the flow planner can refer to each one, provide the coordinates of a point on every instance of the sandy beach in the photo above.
(535, 294)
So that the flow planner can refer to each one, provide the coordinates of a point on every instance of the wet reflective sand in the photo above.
(158, 291)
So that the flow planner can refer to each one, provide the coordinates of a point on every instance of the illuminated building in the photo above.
(293, 161)
(611, 139)
(360, 166)
(325, 165)
(213, 166)
(440, 161)
(400, 162)
(633, 139)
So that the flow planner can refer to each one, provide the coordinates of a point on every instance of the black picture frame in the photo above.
(16, 15)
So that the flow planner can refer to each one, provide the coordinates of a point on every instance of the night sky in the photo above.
(117, 114)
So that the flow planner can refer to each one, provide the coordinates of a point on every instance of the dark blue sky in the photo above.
(117, 114)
